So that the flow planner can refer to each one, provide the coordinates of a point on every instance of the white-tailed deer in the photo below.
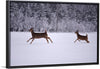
(39, 35)
(81, 37)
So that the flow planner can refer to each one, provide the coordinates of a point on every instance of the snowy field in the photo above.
(63, 50)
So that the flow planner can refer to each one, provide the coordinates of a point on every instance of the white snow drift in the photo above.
(63, 50)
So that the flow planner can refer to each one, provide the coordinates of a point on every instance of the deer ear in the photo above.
(31, 28)
(76, 30)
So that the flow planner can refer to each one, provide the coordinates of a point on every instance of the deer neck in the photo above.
(78, 34)
(32, 32)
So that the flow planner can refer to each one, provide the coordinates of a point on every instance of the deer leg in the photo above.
(79, 40)
(29, 39)
(75, 40)
(47, 40)
(50, 39)
(87, 41)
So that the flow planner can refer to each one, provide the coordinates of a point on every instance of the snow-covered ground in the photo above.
(63, 50)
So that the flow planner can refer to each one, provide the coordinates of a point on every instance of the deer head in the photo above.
(31, 29)
(77, 32)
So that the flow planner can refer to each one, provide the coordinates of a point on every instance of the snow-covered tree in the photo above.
(53, 17)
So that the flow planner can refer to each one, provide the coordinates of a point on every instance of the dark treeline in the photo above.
(53, 17)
